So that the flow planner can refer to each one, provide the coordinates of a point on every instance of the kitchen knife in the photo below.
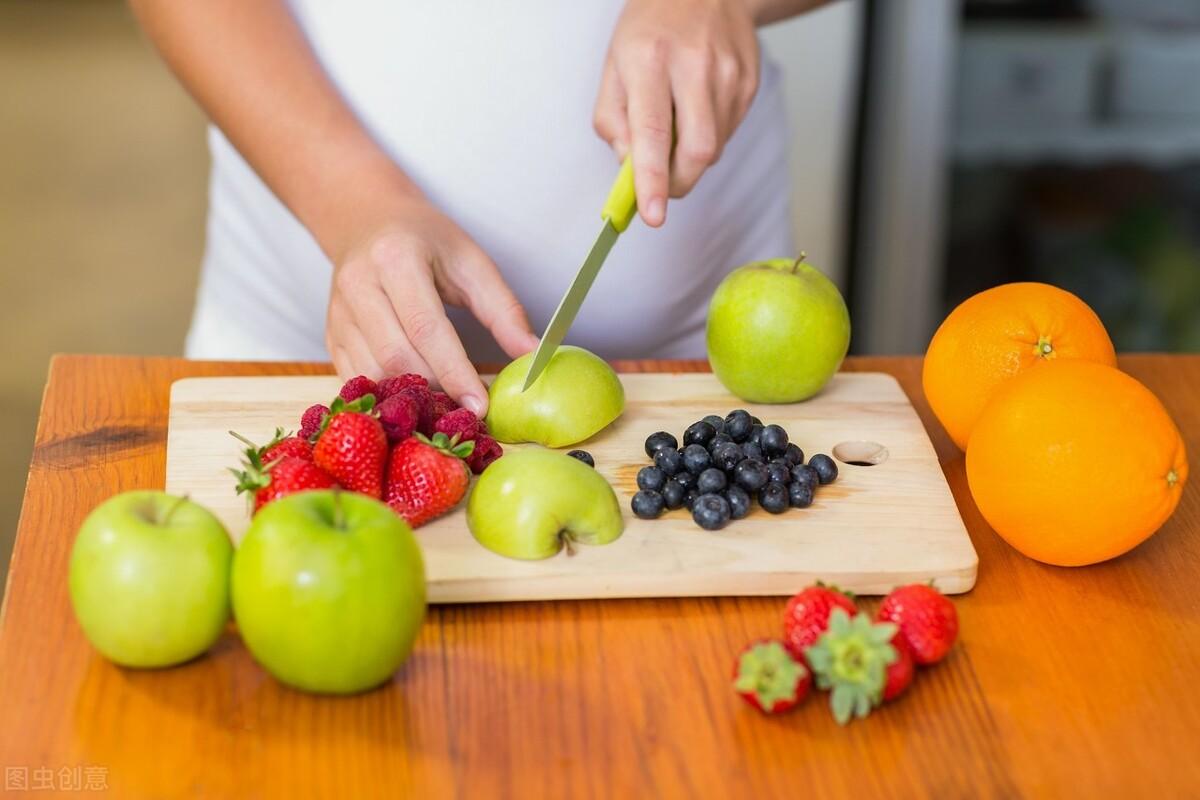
(618, 212)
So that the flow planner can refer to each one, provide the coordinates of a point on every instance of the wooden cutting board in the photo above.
(878, 526)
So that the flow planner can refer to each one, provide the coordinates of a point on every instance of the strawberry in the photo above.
(352, 447)
(927, 620)
(768, 677)
(427, 477)
(283, 476)
(356, 387)
(851, 659)
(900, 672)
(281, 445)
(807, 615)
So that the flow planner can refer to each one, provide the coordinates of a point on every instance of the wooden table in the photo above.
(1066, 682)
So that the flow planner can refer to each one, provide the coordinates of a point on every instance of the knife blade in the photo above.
(618, 212)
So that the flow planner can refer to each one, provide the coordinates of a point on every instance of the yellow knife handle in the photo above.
(621, 204)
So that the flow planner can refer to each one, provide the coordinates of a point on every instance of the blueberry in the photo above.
(727, 456)
(689, 498)
(711, 512)
(739, 502)
(738, 425)
(669, 461)
(657, 441)
(717, 441)
(755, 434)
(673, 494)
(800, 495)
(647, 504)
(805, 475)
(685, 479)
(584, 456)
(751, 474)
(774, 441)
(699, 433)
(651, 479)
(755, 420)
(696, 459)
(793, 454)
(717, 423)
(774, 498)
(711, 481)
(752, 450)
(827, 471)
(778, 473)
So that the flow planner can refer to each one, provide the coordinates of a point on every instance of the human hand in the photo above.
(386, 308)
(688, 63)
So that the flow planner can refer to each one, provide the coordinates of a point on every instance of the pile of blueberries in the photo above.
(723, 464)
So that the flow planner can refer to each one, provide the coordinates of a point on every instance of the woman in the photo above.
(396, 186)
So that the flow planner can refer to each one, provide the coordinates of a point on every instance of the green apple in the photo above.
(576, 396)
(149, 578)
(531, 503)
(329, 591)
(777, 331)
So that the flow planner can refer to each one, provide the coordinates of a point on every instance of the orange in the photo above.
(999, 333)
(1075, 462)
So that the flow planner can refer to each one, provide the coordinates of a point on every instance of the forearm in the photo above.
(767, 11)
(250, 67)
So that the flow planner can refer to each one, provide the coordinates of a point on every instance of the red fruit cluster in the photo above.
(281, 467)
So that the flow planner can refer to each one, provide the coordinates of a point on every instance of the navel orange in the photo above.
(999, 333)
(1075, 462)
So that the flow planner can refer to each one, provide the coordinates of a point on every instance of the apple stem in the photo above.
(568, 545)
(166, 518)
(799, 259)
(339, 514)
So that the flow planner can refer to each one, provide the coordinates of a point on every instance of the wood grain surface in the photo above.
(876, 527)
(1065, 682)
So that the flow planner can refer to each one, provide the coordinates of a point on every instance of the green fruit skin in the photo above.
(526, 498)
(575, 397)
(323, 608)
(774, 335)
(150, 593)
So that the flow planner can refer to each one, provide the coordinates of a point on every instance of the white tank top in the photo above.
(488, 107)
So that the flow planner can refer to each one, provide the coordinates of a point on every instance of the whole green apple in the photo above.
(329, 590)
(777, 331)
(576, 396)
(531, 503)
(149, 578)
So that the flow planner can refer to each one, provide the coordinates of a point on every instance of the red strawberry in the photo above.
(442, 404)
(310, 422)
(486, 451)
(900, 672)
(352, 446)
(357, 387)
(461, 423)
(399, 415)
(390, 386)
(282, 444)
(807, 615)
(287, 475)
(927, 620)
(769, 677)
(851, 659)
(427, 477)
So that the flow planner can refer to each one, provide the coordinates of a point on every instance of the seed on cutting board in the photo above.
(647, 504)
(751, 474)
(711, 481)
(804, 474)
(699, 433)
(826, 469)
(717, 422)
(584, 456)
(739, 501)
(793, 454)
(669, 460)
(728, 456)
(673, 494)
(779, 473)
(651, 479)
(696, 459)
(711, 512)
(659, 440)
(774, 498)
(774, 441)
(738, 425)
(800, 495)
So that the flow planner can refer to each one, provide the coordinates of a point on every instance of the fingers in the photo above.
(649, 101)
(610, 117)
(347, 347)
(696, 123)
(480, 287)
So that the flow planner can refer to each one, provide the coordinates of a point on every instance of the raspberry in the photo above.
(357, 387)
(486, 451)
(461, 422)
(390, 386)
(310, 423)
(443, 404)
(424, 400)
(399, 415)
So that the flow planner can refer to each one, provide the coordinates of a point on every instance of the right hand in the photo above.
(386, 308)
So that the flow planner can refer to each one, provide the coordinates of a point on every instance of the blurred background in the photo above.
(939, 148)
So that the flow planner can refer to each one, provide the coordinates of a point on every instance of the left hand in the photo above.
(688, 63)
